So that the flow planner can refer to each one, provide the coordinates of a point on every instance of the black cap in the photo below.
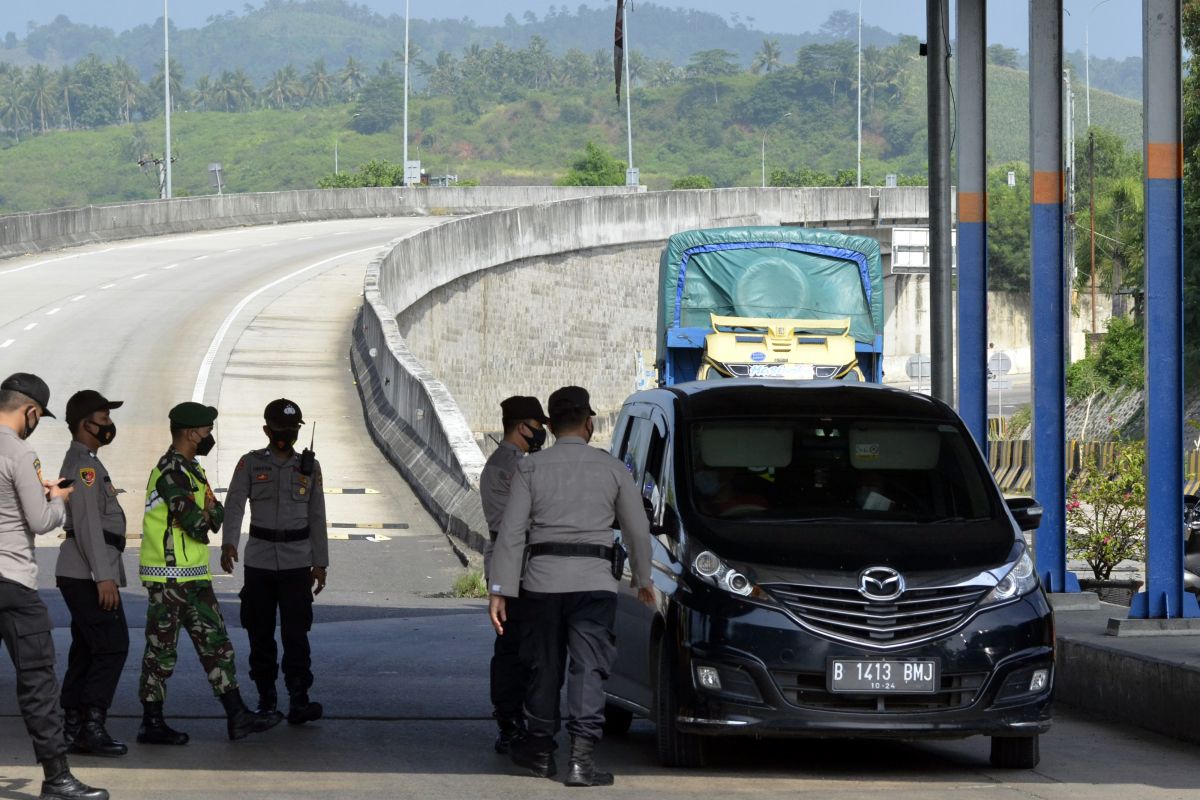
(87, 402)
(192, 415)
(519, 407)
(568, 399)
(282, 414)
(31, 386)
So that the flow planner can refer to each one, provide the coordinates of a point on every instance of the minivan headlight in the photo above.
(715, 572)
(1020, 580)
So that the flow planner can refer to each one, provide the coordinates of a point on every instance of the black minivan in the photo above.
(830, 560)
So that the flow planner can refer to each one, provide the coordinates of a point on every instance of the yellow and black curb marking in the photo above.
(328, 490)
(334, 535)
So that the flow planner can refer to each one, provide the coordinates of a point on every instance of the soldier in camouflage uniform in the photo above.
(173, 564)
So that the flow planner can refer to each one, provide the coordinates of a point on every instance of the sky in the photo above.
(1114, 25)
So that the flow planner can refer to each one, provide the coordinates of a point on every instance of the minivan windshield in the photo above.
(812, 469)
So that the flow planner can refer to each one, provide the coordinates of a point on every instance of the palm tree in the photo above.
(128, 87)
(14, 113)
(769, 57)
(41, 93)
(244, 93)
(319, 84)
(203, 94)
(350, 79)
(69, 85)
(178, 93)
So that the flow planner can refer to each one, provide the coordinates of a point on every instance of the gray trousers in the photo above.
(571, 633)
(25, 627)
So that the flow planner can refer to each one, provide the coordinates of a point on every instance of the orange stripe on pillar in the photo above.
(972, 207)
(1164, 161)
(1047, 187)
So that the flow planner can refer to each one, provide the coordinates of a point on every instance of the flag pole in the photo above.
(630, 174)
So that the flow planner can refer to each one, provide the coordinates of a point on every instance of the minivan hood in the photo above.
(853, 545)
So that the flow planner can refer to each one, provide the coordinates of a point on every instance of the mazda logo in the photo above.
(880, 583)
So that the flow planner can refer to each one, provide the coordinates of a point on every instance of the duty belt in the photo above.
(111, 539)
(563, 549)
(271, 535)
(173, 573)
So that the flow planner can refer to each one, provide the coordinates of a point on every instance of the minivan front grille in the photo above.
(844, 613)
(808, 690)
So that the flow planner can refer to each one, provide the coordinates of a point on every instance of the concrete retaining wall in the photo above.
(420, 422)
(48, 230)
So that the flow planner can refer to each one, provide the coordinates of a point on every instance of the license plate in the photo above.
(875, 676)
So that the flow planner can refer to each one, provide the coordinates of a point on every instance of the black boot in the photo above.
(581, 769)
(154, 729)
(94, 739)
(60, 784)
(536, 754)
(511, 730)
(301, 709)
(268, 697)
(72, 722)
(241, 721)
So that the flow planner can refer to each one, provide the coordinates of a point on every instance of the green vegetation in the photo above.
(693, 182)
(1191, 187)
(1106, 510)
(469, 585)
(1116, 363)
(595, 168)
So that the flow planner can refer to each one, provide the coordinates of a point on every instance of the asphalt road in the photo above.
(400, 666)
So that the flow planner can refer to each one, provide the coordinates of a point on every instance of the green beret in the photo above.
(192, 415)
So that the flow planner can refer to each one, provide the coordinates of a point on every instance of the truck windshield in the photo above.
(814, 469)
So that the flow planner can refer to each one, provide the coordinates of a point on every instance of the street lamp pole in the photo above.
(167, 101)
(1087, 60)
(405, 181)
(859, 179)
(764, 150)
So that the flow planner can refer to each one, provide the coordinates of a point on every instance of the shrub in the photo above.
(1106, 510)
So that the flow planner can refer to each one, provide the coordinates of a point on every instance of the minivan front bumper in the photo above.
(772, 674)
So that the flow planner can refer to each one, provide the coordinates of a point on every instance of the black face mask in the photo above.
(283, 440)
(536, 441)
(30, 427)
(104, 433)
(205, 445)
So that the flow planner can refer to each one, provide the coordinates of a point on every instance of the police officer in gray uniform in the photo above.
(567, 498)
(286, 557)
(89, 574)
(29, 506)
(524, 432)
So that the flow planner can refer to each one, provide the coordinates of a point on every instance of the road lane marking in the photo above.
(305, 238)
(78, 297)
(53, 260)
(209, 357)
(139, 277)
(171, 266)
(234, 250)
(199, 258)
(53, 311)
(31, 326)
(6, 343)
(269, 244)
(108, 286)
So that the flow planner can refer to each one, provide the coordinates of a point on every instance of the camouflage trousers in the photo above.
(193, 607)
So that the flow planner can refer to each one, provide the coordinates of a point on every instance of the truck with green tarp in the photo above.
(770, 302)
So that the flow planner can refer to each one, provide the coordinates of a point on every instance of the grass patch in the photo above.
(470, 585)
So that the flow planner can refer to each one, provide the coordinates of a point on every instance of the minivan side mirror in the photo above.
(1026, 511)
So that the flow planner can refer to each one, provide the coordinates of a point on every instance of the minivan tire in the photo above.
(675, 748)
(1015, 752)
(617, 720)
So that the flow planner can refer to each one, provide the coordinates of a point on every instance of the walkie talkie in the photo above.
(308, 458)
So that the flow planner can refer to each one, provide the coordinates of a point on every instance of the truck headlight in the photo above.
(1020, 580)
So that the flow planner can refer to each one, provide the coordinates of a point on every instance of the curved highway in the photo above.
(235, 318)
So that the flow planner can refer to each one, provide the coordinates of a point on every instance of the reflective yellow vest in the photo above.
(191, 556)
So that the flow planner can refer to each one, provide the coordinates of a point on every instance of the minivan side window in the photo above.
(636, 450)
(620, 438)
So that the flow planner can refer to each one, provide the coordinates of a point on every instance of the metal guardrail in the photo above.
(1011, 462)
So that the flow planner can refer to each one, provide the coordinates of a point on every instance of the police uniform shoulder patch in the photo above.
(88, 476)
(37, 467)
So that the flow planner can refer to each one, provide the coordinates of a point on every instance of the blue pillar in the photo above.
(1049, 295)
(972, 218)
(1162, 113)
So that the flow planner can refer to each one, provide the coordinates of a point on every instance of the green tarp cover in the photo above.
(786, 273)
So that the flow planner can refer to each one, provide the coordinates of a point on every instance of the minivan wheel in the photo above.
(616, 720)
(1015, 752)
(675, 748)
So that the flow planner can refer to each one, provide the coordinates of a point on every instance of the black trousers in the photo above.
(99, 647)
(510, 675)
(25, 627)
(556, 627)
(287, 592)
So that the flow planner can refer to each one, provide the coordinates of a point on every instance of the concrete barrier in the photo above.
(412, 415)
(48, 230)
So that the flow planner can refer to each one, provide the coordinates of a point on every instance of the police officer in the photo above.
(567, 497)
(286, 557)
(30, 506)
(89, 575)
(173, 564)
(524, 432)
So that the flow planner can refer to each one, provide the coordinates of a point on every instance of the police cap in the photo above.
(85, 403)
(568, 399)
(192, 415)
(282, 414)
(518, 407)
(31, 386)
